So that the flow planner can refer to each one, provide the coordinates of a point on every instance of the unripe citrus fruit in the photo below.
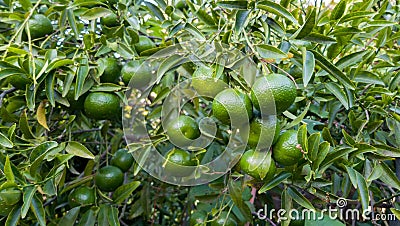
(111, 20)
(111, 72)
(81, 196)
(144, 43)
(231, 105)
(205, 84)
(273, 90)
(122, 159)
(39, 26)
(141, 75)
(285, 151)
(263, 132)
(177, 159)
(101, 105)
(109, 178)
(182, 130)
(258, 165)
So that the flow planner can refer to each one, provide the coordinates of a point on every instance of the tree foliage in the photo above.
(344, 59)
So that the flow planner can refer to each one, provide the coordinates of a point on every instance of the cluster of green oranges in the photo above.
(230, 104)
(106, 179)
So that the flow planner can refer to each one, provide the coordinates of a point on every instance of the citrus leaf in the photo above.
(8, 170)
(14, 216)
(24, 126)
(270, 52)
(72, 22)
(362, 189)
(49, 87)
(38, 210)
(299, 198)
(124, 191)
(319, 38)
(396, 212)
(194, 31)
(307, 27)
(356, 15)
(308, 66)
(203, 16)
(95, 13)
(388, 176)
(235, 192)
(41, 115)
(88, 218)
(339, 93)
(333, 70)
(302, 137)
(241, 17)
(323, 151)
(313, 144)
(233, 4)
(5, 142)
(57, 63)
(82, 73)
(78, 149)
(169, 63)
(113, 216)
(26, 4)
(299, 118)
(276, 9)
(153, 9)
(339, 152)
(368, 78)
(70, 217)
(339, 10)
(274, 182)
(29, 192)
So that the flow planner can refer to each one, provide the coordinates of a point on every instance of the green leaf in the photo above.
(307, 27)
(70, 217)
(396, 212)
(29, 192)
(78, 149)
(368, 78)
(323, 151)
(95, 13)
(26, 4)
(235, 191)
(270, 52)
(308, 66)
(326, 135)
(24, 126)
(299, 118)
(302, 137)
(194, 31)
(276, 9)
(241, 17)
(313, 144)
(319, 38)
(38, 210)
(388, 176)
(14, 216)
(339, 93)
(333, 70)
(82, 73)
(72, 23)
(339, 10)
(233, 4)
(322, 219)
(339, 152)
(49, 87)
(88, 218)
(113, 216)
(153, 9)
(362, 189)
(203, 16)
(5, 142)
(169, 63)
(124, 191)
(356, 15)
(274, 182)
(8, 170)
(299, 198)
(57, 63)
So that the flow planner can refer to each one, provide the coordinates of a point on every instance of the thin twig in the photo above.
(3, 94)
(287, 74)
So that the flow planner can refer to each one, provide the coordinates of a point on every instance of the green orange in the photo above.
(176, 162)
(285, 150)
(81, 196)
(263, 132)
(112, 70)
(137, 75)
(122, 159)
(109, 178)
(205, 84)
(111, 20)
(258, 164)
(224, 219)
(273, 91)
(231, 105)
(39, 26)
(101, 105)
(144, 44)
(182, 130)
